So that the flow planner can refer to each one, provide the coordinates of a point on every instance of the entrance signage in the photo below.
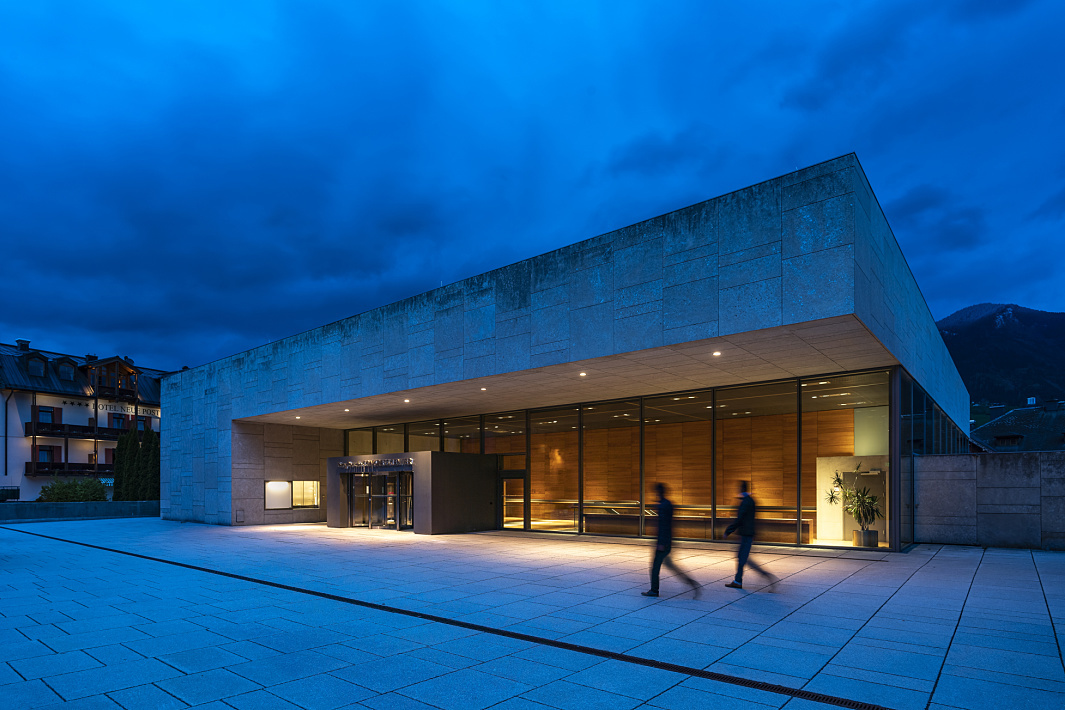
(129, 409)
(375, 465)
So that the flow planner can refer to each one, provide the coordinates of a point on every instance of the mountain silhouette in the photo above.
(1006, 353)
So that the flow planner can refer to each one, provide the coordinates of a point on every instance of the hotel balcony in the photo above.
(73, 431)
(117, 394)
(74, 468)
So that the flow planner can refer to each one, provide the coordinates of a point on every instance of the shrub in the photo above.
(81, 491)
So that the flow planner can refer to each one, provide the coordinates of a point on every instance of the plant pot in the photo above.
(864, 538)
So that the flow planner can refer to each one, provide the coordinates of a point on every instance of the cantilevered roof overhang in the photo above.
(813, 348)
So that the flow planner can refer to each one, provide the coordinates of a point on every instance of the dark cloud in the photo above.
(181, 183)
(936, 220)
(1053, 208)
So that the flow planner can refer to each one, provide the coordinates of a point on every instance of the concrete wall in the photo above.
(992, 500)
(784, 251)
(260, 452)
(889, 302)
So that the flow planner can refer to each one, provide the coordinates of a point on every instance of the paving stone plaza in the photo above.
(84, 627)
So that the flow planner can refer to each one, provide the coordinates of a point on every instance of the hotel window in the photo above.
(118, 421)
(45, 454)
(305, 494)
(36, 368)
(66, 372)
(45, 415)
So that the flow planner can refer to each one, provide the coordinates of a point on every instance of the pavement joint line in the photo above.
(957, 625)
(539, 640)
(1050, 614)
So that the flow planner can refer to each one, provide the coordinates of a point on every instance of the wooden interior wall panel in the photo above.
(596, 464)
(612, 464)
(767, 459)
(553, 465)
(696, 463)
(828, 433)
(809, 460)
(502, 444)
(790, 461)
(733, 456)
(678, 455)
(623, 478)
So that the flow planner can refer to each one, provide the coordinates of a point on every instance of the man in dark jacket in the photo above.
(664, 544)
(744, 524)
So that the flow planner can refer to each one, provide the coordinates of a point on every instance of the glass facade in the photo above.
(554, 469)
(610, 466)
(424, 436)
(815, 452)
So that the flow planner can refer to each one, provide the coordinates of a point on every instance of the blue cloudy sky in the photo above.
(181, 181)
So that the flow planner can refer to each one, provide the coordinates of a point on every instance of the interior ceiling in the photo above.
(813, 348)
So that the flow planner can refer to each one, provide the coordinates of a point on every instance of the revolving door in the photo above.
(359, 500)
(389, 503)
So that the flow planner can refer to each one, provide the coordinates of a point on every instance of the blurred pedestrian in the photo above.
(744, 524)
(664, 545)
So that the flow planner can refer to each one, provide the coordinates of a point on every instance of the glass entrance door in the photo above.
(359, 499)
(391, 500)
(514, 503)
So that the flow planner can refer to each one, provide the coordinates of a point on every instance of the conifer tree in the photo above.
(153, 470)
(126, 466)
(140, 485)
(147, 477)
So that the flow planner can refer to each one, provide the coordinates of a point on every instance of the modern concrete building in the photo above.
(774, 334)
(63, 415)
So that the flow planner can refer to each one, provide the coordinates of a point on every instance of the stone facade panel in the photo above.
(752, 306)
(818, 283)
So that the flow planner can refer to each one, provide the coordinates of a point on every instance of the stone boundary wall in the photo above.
(30, 512)
(991, 500)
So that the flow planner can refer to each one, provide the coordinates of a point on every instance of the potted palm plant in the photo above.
(865, 509)
(862, 505)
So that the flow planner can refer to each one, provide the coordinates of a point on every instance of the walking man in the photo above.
(664, 545)
(744, 524)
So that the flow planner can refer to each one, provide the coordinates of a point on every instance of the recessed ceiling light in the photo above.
(717, 353)
(406, 400)
(297, 417)
(484, 389)
(347, 410)
(824, 382)
(584, 374)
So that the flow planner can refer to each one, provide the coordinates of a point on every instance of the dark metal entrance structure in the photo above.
(381, 499)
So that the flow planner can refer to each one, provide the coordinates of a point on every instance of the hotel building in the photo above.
(63, 415)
